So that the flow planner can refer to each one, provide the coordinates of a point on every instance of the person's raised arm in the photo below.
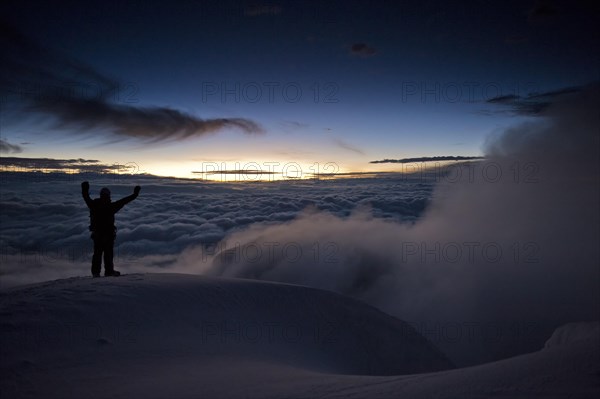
(85, 193)
(117, 205)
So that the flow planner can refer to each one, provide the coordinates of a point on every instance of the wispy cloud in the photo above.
(343, 144)
(79, 98)
(8, 148)
(292, 126)
(532, 104)
(507, 99)
(146, 123)
(362, 50)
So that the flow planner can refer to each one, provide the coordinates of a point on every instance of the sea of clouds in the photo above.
(44, 221)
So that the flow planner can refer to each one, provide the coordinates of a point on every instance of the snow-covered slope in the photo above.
(172, 317)
(574, 334)
(181, 336)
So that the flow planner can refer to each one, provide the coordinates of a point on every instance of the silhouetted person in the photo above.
(102, 226)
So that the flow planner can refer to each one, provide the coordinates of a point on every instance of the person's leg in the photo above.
(109, 244)
(97, 257)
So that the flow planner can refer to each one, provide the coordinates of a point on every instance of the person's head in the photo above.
(105, 194)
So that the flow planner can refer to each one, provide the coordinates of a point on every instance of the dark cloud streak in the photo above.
(533, 104)
(145, 123)
(362, 50)
(427, 159)
(8, 148)
(11, 164)
(79, 98)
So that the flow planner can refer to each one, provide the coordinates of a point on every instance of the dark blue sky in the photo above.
(344, 82)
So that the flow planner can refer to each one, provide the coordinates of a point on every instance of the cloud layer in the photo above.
(44, 217)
